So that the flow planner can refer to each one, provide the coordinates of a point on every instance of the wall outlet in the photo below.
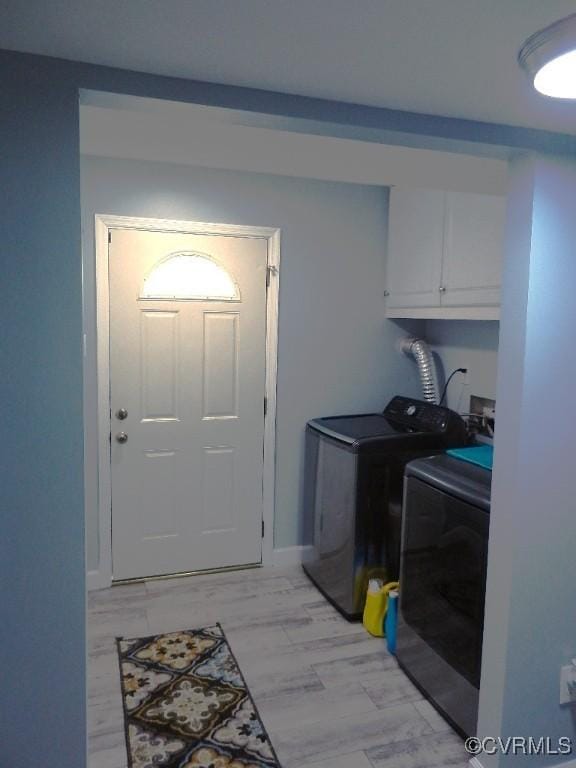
(568, 684)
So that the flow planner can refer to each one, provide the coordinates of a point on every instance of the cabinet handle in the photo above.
(386, 293)
(442, 289)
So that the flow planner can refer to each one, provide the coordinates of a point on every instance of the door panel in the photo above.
(160, 471)
(218, 513)
(187, 484)
(160, 364)
(220, 365)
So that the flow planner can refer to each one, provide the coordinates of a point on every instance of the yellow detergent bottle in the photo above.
(376, 605)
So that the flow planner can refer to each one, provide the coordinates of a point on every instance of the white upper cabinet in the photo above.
(474, 239)
(415, 244)
(444, 254)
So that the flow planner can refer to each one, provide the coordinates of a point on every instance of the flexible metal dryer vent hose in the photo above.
(420, 351)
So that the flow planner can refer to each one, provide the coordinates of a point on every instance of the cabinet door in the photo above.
(473, 245)
(415, 244)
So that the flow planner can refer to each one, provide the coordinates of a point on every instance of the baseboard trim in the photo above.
(291, 555)
(97, 580)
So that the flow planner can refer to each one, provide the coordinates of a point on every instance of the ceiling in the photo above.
(446, 57)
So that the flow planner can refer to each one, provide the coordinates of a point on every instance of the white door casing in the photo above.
(193, 401)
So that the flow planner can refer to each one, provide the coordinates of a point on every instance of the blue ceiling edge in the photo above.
(379, 123)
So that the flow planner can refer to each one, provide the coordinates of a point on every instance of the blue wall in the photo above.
(42, 690)
(42, 702)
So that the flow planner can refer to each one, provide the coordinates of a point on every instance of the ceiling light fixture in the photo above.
(549, 58)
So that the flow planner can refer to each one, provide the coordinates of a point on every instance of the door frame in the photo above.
(103, 224)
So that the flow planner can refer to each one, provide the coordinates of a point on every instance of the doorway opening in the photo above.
(201, 364)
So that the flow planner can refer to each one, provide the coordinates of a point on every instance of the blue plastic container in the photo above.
(391, 621)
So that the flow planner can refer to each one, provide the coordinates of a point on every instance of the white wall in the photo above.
(336, 351)
(471, 344)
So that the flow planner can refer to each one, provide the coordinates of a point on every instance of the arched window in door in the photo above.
(189, 275)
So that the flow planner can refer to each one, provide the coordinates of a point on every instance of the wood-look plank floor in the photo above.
(329, 694)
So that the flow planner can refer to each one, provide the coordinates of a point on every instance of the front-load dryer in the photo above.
(444, 556)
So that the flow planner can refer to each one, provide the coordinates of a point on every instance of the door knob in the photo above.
(121, 414)
(121, 437)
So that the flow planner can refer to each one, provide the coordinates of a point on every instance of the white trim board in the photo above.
(292, 555)
(96, 580)
(102, 577)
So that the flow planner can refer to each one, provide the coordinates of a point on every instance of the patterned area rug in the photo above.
(186, 704)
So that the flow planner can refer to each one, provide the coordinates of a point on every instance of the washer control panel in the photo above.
(421, 416)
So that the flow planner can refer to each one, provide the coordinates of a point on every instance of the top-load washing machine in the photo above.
(354, 469)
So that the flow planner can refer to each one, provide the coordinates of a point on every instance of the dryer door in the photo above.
(443, 582)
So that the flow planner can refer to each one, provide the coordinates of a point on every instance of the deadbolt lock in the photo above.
(121, 414)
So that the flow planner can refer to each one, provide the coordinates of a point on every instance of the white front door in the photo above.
(187, 365)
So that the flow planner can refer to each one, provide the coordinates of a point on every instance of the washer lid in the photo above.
(458, 478)
(373, 433)
(350, 429)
